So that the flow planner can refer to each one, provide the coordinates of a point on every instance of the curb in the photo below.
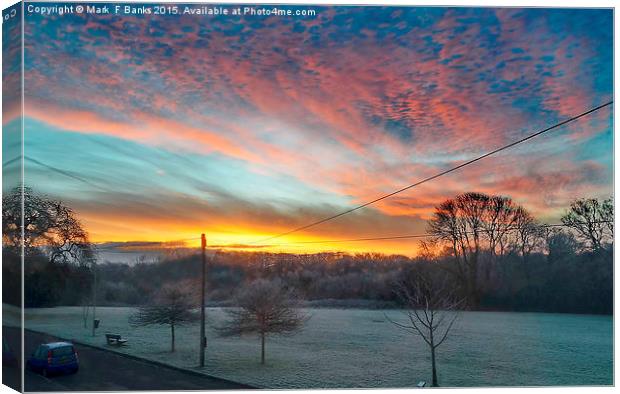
(241, 386)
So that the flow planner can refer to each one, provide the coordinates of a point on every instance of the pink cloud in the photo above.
(357, 118)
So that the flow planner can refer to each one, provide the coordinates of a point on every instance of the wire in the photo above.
(424, 235)
(63, 172)
(436, 175)
(396, 237)
(386, 238)
(9, 162)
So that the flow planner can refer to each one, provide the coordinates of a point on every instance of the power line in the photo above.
(423, 235)
(385, 238)
(52, 168)
(396, 237)
(63, 172)
(9, 162)
(442, 173)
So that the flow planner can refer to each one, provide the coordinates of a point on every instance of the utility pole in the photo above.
(203, 338)
(94, 265)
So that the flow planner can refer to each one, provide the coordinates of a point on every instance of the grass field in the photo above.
(360, 348)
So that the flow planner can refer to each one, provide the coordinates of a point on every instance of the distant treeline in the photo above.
(487, 247)
(559, 281)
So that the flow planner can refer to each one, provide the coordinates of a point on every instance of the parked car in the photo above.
(55, 357)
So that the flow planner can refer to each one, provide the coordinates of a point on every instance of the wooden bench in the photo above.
(115, 340)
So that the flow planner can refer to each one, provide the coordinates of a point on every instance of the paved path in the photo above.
(102, 370)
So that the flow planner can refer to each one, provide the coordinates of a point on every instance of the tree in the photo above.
(498, 222)
(528, 235)
(561, 245)
(50, 227)
(473, 225)
(460, 223)
(172, 307)
(53, 238)
(592, 221)
(263, 308)
(431, 310)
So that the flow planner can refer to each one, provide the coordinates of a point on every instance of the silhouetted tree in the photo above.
(528, 235)
(53, 239)
(263, 308)
(459, 222)
(474, 225)
(592, 221)
(561, 245)
(49, 227)
(498, 221)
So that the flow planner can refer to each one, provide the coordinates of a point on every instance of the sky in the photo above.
(158, 128)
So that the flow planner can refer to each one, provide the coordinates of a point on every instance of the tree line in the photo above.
(477, 235)
(490, 249)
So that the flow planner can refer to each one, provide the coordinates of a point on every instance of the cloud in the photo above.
(348, 105)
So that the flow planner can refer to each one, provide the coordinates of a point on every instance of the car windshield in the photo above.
(62, 351)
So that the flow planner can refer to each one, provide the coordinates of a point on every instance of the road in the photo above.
(102, 370)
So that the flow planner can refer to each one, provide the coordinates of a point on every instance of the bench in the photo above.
(115, 340)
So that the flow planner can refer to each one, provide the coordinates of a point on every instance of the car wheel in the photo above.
(75, 370)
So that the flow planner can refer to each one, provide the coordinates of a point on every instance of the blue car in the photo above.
(55, 357)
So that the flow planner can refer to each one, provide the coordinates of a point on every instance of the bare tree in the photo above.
(472, 223)
(528, 235)
(49, 226)
(498, 221)
(592, 221)
(459, 222)
(431, 310)
(53, 238)
(173, 307)
(263, 308)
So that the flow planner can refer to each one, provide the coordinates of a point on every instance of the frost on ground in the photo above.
(11, 315)
(359, 348)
